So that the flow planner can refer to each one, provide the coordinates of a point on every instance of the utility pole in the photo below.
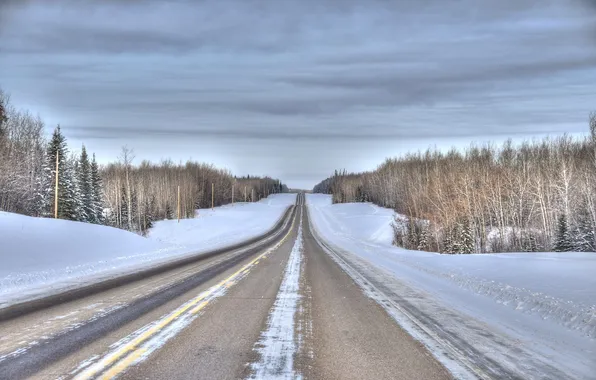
(178, 208)
(56, 188)
(244, 194)
(233, 186)
(212, 196)
(252, 195)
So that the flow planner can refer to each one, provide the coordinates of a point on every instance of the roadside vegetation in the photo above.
(119, 194)
(538, 195)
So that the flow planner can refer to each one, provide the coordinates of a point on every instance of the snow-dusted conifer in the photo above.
(583, 235)
(66, 190)
(562, 237)
(97, 204)
(466, 238)
(84, 184)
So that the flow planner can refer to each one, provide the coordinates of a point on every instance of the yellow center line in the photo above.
(131, 351)
(123, 364)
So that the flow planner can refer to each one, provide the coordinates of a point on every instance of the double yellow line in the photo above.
(118, 361)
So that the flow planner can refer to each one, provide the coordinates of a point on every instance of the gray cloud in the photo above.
(88, 132)
(300, 72)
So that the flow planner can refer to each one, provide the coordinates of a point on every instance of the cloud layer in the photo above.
(299, 73)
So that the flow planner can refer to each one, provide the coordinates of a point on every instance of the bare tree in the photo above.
(506, 199)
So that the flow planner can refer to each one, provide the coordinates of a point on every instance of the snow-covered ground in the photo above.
(533, 313)
(226, 225)
(41, 256)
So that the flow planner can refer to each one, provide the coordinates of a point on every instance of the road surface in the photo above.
(279, 309)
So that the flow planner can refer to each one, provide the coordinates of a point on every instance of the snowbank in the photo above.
(541, 299)
(223, 226)
(40, 256)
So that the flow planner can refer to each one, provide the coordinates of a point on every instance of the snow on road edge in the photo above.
(61, 255)
(278, 342)
(497, 340)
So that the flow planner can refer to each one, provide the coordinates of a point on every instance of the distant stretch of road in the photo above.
(278, 308)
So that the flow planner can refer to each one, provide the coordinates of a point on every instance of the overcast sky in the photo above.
(297, 88)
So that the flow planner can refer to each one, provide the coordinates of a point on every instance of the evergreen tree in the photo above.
(85, 187)
(467, 244)
(96, 194)
(529, 242)
(583, 236)
(448, 246)
(3, 119)
(135, 211)
(412, 234)
(456, 238)
(169, 212)
(424, 243)
(123, 212)
(72, 172)
(562, 237)
(149, 213)
(67, 208)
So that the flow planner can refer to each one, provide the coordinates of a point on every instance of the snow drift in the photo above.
(544, 302)
(40, 256)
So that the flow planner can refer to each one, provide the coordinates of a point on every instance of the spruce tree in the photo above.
(67, 208)
(74, 191)
(84, 183)
(149, 213)
(529, 242)
(562, 238)
(466, 238)
(169, 212)
(456, 238)
(123, 212)
(424, 244)
(583, 235)
(412, 234)
(448, 246)
(135, 211)
(96, 194)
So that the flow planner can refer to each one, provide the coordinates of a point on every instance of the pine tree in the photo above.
(448, 245)
(456, 238)
(148, 213)
(562, 238)
(412, 234)
(74, 191)
(67, 208)
(529, 242)
(135, 210)
(85, 183)
(123, 212)
(467, 244)
(424, 243)
(96, 194)
(169, 212)
(3, 119)
(583, 235)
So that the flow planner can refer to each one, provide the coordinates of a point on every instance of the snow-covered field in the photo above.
(41, 256)
(540, 307)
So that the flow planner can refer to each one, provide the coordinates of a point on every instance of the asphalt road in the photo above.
(282, 309)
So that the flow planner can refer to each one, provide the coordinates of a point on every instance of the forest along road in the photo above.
(285, 311)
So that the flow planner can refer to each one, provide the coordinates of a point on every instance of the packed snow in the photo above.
(535, 313)
(278, 342)
(41, 256)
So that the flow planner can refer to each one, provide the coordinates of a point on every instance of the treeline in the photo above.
(120, 194)
(138, 195)
(538, 195)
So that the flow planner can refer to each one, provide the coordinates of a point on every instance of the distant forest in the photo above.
(537, 195)
(119, 194)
